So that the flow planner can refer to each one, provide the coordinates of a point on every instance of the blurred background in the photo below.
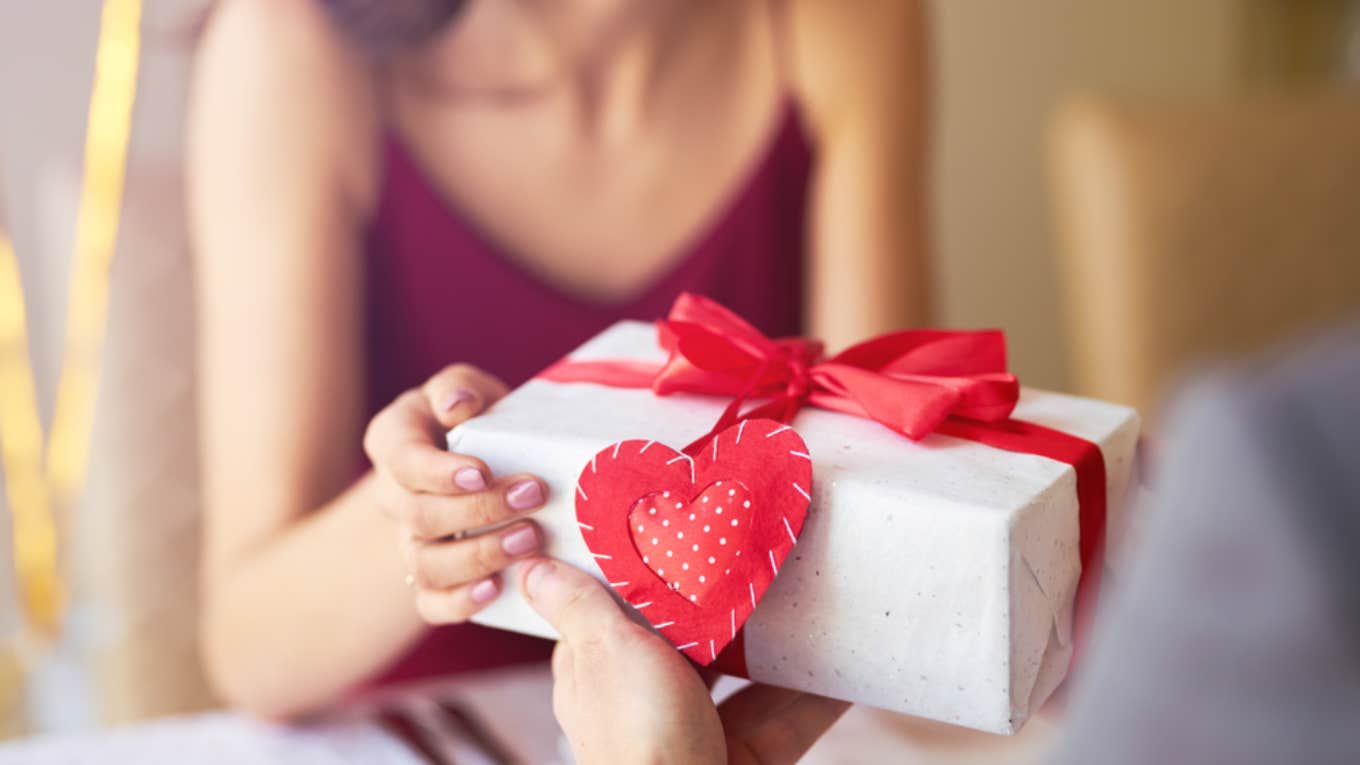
(1128, 189)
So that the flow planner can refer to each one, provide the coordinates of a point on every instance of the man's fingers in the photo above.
(460, 391)
(785, 733)
(746, 709)
(570, 599)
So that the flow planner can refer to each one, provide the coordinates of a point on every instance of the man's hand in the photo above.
(623, 694)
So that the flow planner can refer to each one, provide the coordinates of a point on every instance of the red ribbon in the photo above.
(916, 382)
(909, 381)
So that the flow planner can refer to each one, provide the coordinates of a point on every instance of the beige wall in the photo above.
(1002, 66)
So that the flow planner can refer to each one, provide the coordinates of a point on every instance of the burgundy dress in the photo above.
(439, 291)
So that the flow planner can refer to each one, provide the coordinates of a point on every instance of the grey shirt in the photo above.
(1236, 636)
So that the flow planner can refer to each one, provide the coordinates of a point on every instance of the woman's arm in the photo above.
(860, 72)
(279, 140)
(303, 576)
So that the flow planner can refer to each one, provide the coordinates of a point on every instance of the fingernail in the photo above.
(534, 578)
(470, 479)
(519, 542)
(525, 495)
(483, 591)
(454, 398)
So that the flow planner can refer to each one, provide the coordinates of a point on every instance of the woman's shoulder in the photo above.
(275, 83)
(857, 62)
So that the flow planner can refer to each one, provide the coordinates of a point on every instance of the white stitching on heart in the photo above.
(802, 491)
(691, 465)
(740, 428)
(804, 455)
(644, 447)
(640, 606)
(663, 625)
(585, 526)
(772, 564)
(686, 645)
(617, 444)
(789, 529)
(778, 430)
(582, 492)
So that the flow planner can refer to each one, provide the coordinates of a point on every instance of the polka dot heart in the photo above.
(693, 541)
(691, 544)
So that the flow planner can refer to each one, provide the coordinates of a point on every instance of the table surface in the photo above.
(515, 708)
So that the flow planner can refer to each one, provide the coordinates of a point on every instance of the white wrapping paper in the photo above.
(934, 578)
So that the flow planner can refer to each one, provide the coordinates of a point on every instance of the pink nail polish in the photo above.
(470, 479)
(454, 398)
(483, 591)
(520, 542)
(524, 495)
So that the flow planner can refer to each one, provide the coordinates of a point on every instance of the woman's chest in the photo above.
(598, 199)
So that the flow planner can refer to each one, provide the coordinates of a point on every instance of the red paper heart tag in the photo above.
(694, 542)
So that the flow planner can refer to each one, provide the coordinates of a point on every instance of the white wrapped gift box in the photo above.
(935, 578)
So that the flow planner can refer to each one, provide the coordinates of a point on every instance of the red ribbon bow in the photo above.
(909, 381)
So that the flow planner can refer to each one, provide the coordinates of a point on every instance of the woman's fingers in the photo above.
(432, 516)
(439, 565)
(405, 439)
(456, 604)
(460, 391)
(404, 443)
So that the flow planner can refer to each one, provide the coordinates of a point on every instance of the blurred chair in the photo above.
(132, 542)
(141, 534)
(1191, 231)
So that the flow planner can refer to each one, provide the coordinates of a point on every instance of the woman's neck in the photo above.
(591, 52)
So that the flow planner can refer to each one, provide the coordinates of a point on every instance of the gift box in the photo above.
(935, 575)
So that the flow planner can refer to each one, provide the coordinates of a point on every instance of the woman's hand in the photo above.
(623, 694)
(437, 498)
